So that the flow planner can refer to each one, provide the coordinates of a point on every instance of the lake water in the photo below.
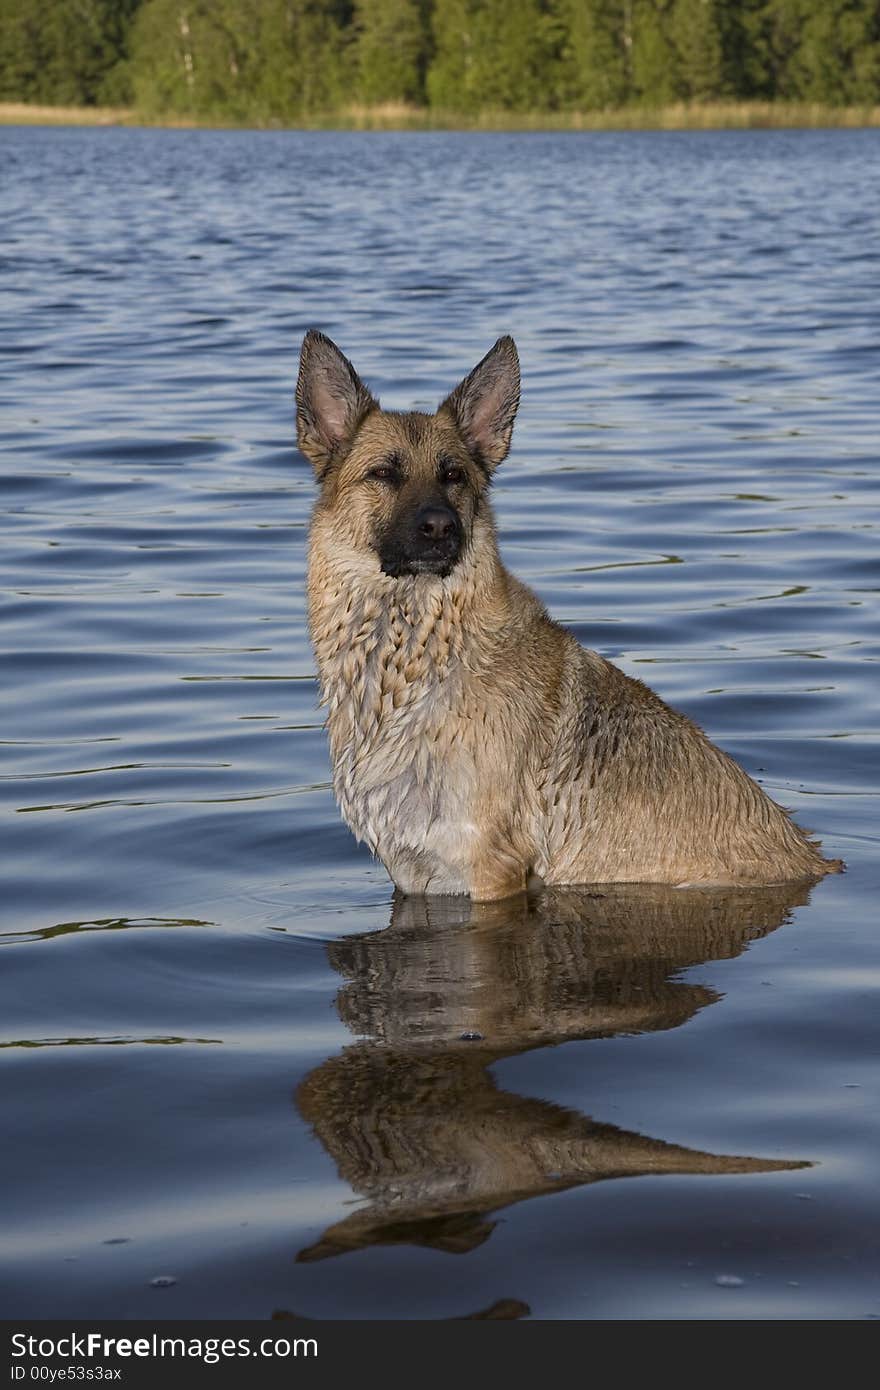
(227, 1057)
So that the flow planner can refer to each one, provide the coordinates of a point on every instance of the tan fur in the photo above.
(475, 744)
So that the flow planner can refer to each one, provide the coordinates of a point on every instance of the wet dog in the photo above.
(476, 745)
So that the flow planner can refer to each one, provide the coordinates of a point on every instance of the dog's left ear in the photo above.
(331, 402)
(484, 405)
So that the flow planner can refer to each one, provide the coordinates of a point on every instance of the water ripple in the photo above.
(693, 489)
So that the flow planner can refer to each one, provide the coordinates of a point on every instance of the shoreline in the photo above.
(394, 116)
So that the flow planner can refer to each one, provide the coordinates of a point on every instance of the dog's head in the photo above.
(406, 487)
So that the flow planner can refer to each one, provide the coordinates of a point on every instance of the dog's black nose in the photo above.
(436, 523)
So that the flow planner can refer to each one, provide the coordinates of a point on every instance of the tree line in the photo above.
(263, 61)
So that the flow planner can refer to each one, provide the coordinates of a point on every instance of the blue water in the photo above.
(224, 1059)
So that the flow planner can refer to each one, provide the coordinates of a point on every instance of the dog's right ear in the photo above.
(331, 402)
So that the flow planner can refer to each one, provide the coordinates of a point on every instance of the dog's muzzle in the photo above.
(430, 544)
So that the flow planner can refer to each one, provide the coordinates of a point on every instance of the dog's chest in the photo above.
(402, 744)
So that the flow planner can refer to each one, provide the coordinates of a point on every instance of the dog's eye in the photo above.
(383, 473)
(451, 474)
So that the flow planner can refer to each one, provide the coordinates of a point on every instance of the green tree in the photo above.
(390, 50)
(493, 53)
(696, 34)
(594, 43)
(305, 59)
(449, 79)
(64, 52)
(238, 59)
(828, 52)
(746, 71)
(264, 60)
(654, 65)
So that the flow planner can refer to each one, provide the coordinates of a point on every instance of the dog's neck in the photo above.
(382, 641)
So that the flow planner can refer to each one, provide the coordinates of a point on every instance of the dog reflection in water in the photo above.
(411, 1114)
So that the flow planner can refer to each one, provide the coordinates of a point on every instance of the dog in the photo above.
(477, 748)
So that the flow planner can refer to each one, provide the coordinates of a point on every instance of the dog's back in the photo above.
(652, 797)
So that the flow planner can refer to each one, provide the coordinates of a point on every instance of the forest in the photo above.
(282, 61)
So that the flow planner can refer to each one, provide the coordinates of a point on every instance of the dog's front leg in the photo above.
(497, 872)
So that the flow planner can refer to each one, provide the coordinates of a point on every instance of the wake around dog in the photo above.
(476, 746)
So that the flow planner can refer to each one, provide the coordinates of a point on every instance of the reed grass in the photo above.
(728, 115)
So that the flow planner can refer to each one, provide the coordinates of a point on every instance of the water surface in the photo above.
(227, 1055)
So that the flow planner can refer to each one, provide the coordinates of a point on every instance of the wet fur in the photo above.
(475, 744)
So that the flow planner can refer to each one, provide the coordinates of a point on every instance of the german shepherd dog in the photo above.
(477, 747)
